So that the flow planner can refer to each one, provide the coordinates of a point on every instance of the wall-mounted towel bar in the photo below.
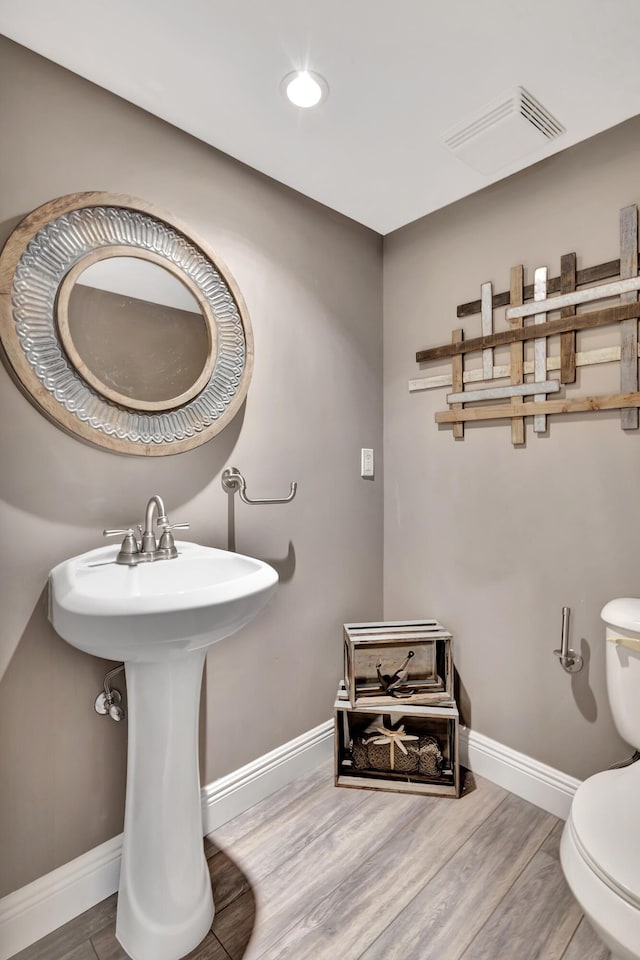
(233, 480)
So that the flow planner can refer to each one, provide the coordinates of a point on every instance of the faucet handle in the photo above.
(166, 546)
(129, 550)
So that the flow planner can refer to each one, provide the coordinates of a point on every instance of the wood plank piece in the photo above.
(586, 944)
(350, 918)
(568, 265)
(227, 880)
(304, 880)
(629, 328)
(517, 352)
(605, 290)
(486, 297)
(583, 359)
(457, 378)
(515, 929)
(585, 321)
(501, 393)
(234, 927)
(107, 948)
(56, 945)
(310, 817)
(551, 846)
(448, 912)
(601, 271)
(84, 952)
(272, 807)
(539, 344)
(614, 401)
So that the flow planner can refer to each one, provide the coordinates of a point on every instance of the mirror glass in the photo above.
(138, 331)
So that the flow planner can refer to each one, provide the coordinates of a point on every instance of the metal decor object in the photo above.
(53, 244)
(233, 480)
(570, 660)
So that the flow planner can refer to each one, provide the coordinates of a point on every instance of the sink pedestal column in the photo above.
(165, 905)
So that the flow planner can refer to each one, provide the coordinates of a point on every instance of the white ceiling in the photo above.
(400, 74)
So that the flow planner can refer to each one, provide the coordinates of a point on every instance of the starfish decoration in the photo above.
(393, 737)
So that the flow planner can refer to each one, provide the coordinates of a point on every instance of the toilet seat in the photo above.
(611, 916)
(605, 827)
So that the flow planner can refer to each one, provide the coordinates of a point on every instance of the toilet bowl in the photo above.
(600, 848)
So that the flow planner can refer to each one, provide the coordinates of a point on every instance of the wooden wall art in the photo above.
(547, 307)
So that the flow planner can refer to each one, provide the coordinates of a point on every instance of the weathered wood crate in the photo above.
(413, 749)
(420, 651)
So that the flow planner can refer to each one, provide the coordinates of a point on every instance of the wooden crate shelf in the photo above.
(423, 647)
(418, 722)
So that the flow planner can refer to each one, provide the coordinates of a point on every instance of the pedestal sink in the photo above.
(160, 618)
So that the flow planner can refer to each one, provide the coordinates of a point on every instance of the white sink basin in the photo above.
(160, 618)
(155, 611)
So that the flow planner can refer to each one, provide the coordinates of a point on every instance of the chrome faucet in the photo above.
(148, 549)
(149, 545)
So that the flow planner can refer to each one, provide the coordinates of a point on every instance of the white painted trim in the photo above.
(46, 904)
(232, 795)
(527, 778)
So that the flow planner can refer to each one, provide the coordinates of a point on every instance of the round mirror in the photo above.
(121, 326)
(135, 332)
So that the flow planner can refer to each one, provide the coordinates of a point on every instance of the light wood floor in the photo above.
(319, 873)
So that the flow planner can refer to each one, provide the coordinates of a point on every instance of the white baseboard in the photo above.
(231, 795)
(527, 778)
(46, 904)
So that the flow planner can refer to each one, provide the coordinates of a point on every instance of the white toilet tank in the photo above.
(622, 619)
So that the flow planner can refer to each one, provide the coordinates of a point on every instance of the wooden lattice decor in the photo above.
(535, 312)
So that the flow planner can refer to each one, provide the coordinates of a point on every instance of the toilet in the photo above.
(600, 848)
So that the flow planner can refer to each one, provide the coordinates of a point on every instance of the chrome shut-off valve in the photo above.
(108, 700)
(570, 661)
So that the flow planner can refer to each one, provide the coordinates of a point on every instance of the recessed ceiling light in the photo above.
(304, 88)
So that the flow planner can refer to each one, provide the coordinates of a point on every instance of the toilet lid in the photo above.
(605, 818)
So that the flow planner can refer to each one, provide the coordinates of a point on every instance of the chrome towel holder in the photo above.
(570, 661)
(233, 480)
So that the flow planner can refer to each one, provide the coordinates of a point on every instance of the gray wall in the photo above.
(490, 539)
(494, 540)
(312, 282)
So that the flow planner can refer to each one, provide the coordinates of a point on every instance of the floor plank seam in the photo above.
(221, 944)
(264, 955)
(308, 789)
(229, 851)
(419, 814)
(478, 932)
(565, 952)
(407, 905)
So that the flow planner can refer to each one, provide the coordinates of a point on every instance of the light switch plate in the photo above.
(366, 463)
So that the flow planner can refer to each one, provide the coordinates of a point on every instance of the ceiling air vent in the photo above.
(503, 132)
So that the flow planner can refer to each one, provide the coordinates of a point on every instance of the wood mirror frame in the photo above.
(38, 266)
